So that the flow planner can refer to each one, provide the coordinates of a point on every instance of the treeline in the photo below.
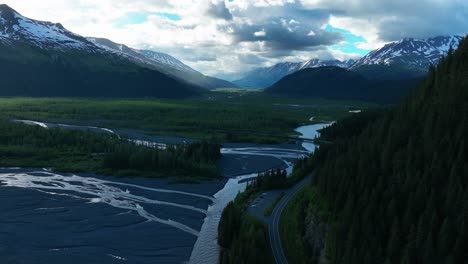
(340, 131)
(272, 179)
(72, 150)
(198, 159)
(351, 126)
(398, 189)
(67, 150)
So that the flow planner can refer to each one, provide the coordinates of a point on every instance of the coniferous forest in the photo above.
(78, 151)
(396, 182)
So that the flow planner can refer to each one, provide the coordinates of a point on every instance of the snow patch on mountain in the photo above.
(45, 35)
(416, 53)
(157, 59)
(167, 60)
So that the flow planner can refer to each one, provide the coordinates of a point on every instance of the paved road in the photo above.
(273, 226)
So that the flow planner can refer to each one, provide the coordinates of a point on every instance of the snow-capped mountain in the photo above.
(166, 59)
(45, 35)
(40, 58)
(161, 62)
(144, 56)
(53, 37)
(265, 77)
(408, 57)
(315, 63)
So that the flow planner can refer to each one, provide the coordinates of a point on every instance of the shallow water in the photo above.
(206, 249)
(66, 218)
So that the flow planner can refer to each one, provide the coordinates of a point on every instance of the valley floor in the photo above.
(100, 216)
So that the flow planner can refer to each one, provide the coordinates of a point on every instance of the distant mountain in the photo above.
(407, 58)
(265, 77)
(162, 62)
(338, 83)
(44, 59)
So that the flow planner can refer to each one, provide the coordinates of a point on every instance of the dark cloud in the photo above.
(219, 10)
(285, 35)
(398, 19)
(282, 29)
(423, 26)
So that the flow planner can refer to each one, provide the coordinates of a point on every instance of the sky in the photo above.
(226, 37)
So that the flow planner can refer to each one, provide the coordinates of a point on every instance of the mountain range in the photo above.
(408, 58)
(162, 62)
(58, 62)
(264, 77)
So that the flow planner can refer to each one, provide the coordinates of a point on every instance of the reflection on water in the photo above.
(310, 132)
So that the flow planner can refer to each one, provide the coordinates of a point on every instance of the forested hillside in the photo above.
(397, 186)
(40, 58)
(338, 83)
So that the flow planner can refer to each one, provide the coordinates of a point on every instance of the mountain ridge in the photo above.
(333, 82)
(267, 76)
(162, 62)
(406, 58)
(41, 58)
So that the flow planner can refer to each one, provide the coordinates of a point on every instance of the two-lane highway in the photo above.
(273, 225)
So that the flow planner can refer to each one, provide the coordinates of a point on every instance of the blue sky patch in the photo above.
(173, 17)
(351, 41)
(140, 18)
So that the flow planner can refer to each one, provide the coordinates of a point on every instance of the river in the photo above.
(56, 218)
(206, 249)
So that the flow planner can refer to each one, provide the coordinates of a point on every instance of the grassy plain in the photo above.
(233, 115)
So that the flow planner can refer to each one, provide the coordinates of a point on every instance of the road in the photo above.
(273, 225)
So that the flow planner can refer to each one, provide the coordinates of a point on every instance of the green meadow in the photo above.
(225, 116)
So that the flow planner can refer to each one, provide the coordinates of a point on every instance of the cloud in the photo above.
(383, 21)
(284, 36)
(219, 10)
(259, 34)
(231, 36)
(250, 59)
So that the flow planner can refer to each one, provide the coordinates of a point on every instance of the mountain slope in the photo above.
(14, 27)
(44, 59)
(265, 77)
(162, 62)
(339, 83)
(396, 185)
(406, 58)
